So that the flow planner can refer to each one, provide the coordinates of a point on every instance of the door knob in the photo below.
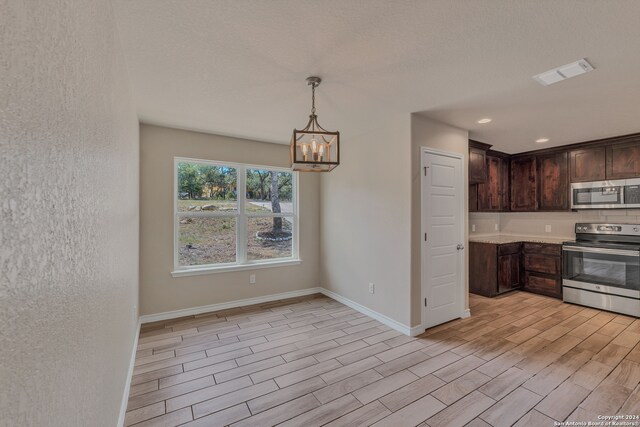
(460, 247)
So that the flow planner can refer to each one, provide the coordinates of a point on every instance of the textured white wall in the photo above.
(366, 219)
(68, 214)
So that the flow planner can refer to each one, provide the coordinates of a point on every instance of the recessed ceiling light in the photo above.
(485, 120)
(542, 140)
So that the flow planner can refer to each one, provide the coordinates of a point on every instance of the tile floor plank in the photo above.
(362, 417)
(414, 413)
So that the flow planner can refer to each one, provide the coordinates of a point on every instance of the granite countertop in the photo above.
(499, 239)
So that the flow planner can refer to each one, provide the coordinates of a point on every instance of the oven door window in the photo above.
(603, 267)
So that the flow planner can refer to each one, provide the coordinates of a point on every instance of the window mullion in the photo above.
(241, 226)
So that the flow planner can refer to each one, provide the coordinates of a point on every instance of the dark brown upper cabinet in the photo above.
(473, 197)
(540, 180)
(553, 182)
(490, 192)
(523, 184)
(477, 161)
(623, 160)
(493, 195)
(587, 164)
(506, 181)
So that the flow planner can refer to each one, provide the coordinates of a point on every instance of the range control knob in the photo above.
(636, 229)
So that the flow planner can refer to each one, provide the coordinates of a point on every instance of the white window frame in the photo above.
(241, 222)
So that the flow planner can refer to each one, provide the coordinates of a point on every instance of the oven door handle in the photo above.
(601, 251)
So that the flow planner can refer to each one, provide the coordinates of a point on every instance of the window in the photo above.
(233, 216)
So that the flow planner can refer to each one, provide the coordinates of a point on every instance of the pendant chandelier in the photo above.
(314, 149)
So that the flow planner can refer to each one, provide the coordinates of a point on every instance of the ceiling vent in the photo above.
(565, 72)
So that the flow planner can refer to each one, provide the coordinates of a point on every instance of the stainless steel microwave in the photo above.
(615, 194)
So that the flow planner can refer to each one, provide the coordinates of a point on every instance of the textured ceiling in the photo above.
(237, 67)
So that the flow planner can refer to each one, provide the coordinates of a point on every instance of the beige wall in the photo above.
(159, 291)
(433, 134)
(366, 205)
(68, 215)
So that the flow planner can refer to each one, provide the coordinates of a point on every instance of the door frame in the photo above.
(423, 229)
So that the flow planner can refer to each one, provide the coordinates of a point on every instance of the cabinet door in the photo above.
(473, 197)
(553, 182)
(483, 268)
(508, 272)
(623, 160)
(504, 176)
(477, 165)
(523, 184)
(490, 192)
(587, 164)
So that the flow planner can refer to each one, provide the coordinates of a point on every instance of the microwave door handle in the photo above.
(601, 251)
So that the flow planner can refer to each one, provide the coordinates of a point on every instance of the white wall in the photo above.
(440, 136)
(159, 291)
(366, 219)
(68, 215)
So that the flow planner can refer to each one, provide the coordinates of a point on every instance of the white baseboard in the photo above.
(400, 327)
(412, 331)
(417, 330)
(147, 318)
(466, 313)
(127, 385)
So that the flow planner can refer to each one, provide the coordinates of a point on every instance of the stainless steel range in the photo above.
(601, 268)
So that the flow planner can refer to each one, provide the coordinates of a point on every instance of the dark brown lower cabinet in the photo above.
(543, 269)
(498, 268)
(544, 284)
(493, 268)
(508, 272)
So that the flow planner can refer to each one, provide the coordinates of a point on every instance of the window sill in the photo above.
(230, 268)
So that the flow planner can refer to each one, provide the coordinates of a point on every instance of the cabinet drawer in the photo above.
(509, 248)
(542, 284)
(542, 263)
(543, 248)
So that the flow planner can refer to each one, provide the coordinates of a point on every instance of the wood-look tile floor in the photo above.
(520, 359)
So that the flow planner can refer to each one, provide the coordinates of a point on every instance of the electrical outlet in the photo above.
(252, 279)
(547, 228)
(473, 227)
(495, 227)
(372, 288)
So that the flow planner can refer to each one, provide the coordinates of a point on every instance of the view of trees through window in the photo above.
(209, 214)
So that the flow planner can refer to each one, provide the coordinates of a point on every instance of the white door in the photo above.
(443, 240)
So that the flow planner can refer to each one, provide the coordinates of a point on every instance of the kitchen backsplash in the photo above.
(535, 223)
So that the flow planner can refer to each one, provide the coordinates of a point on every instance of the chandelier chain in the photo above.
(313, 99)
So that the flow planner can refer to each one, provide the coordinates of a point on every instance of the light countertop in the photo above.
(499, 239)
